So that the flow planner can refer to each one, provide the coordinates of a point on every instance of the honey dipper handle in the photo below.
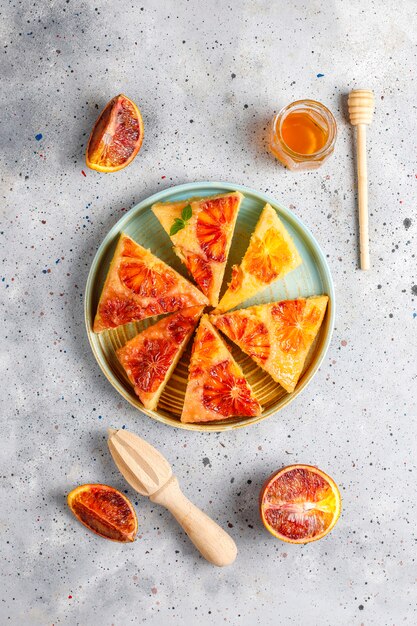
(363, 196)
(212, 541)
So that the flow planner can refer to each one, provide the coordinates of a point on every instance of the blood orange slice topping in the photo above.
(299, 504)
(116, 137)
(213, 225)
(204, 343)
(203, 346)
(149, 364)
(135, 273)
(253, 334)
(268, 256)
(105, 511)
(180, 326)
(227, 394)
(143, 280)
(119, 310)
(296, 327)
(200, 270)
(237, 278)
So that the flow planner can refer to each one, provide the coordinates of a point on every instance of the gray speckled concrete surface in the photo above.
(208, 76)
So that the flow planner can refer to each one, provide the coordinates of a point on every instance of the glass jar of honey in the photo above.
(303, 135)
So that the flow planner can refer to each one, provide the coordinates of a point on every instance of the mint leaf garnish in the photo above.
(177, 226)
(187, 213)
(181, 222)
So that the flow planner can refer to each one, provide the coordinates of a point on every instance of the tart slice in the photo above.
(278, 336)
(139, 285)
(217, 389)
(201, 231)
(271, 254)
(150, 358)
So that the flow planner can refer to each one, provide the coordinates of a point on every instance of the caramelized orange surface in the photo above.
(149, 364)
(228, 394)
(143, 280)
(200, 270)
(297, 324)
(268, 255)
(117, 309)
(249, 332)
(213, 225)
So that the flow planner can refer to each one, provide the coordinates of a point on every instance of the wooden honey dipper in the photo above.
(361, 109)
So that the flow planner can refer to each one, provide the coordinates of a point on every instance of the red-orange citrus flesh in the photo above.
(105, 511)
(116, 137)
(299, 504)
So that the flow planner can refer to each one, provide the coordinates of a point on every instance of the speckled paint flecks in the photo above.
(228, 67)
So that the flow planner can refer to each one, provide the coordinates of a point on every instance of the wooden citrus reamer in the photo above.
(149, 473)
(361, 108)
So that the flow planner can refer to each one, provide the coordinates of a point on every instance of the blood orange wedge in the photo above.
(150, 358)
(278, 336)
(139, 285)
(105, 511)
(201, 230)
(116, 137)
(217, 389)
(271, 254)
(299, 504)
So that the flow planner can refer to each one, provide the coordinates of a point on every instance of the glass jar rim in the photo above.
(319, 108)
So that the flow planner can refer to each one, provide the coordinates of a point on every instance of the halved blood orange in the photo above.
(299, 504)
(105, 511)
(116, 137)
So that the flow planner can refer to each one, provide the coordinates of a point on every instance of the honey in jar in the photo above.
(303, 135)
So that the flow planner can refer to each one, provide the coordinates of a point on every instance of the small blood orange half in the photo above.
(299, 504)
(105, 511)
(116, 137)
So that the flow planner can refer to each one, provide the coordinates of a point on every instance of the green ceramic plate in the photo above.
(311, 278)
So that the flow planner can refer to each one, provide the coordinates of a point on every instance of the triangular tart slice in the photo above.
(278, 336)
(217, 389)
(151, 356)
(202, 241)
(139, 285)
(271, 254)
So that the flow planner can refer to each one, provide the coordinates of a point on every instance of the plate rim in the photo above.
(185, 188)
